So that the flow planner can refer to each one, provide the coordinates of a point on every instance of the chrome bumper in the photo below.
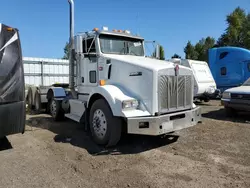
(158, 125)
(236, 104)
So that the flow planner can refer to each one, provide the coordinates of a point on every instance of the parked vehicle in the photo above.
(114, 87)
(230, 66)
(12, 103)
(237, 99)
(204, 84)
(40, 74)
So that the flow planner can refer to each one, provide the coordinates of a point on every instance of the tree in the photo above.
(161, 53)
(176, 56)
(200, 50)
(246, 32)
(236, 31)
(190, 51)
(66, 51)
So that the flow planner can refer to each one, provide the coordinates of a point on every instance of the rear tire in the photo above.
(30, 100)
(56, 110)
(38, 102)
(105, 128)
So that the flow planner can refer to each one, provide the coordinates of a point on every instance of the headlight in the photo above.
(130, 104)
(226, 95)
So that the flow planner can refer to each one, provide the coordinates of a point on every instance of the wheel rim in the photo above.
(53, 108)
(99, 124)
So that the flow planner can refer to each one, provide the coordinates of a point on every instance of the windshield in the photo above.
(111, 44)
(247, 83)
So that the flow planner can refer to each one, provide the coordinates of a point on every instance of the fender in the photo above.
(56, 92)
(114, 95)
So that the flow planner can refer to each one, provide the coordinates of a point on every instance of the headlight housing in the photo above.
(226, 95)
(128, 104)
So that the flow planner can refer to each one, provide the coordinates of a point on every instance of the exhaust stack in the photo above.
(71, 48)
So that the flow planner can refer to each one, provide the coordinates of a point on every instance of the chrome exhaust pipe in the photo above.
(71, 48)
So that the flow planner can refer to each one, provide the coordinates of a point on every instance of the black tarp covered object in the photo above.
(12, 92)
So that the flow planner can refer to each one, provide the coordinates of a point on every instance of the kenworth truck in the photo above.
(113, 87)
(12, 103)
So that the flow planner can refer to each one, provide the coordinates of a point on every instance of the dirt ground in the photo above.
(215, 153)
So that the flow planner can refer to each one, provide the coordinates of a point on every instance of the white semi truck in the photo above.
(114, 87)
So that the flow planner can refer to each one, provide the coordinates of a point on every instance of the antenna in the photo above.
(137, 24)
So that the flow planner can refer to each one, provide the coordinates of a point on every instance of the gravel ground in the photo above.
(215, 153)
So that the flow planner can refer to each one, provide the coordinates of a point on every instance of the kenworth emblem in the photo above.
(176, 69)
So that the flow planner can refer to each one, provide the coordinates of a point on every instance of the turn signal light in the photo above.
(102, 82)
(10, 29)
(95, 29)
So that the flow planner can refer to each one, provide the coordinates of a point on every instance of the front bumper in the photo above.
(158, 125)
(241, 105)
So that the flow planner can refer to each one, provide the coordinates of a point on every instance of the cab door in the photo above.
(89, 65)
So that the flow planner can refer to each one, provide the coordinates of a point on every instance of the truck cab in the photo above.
(117, 88)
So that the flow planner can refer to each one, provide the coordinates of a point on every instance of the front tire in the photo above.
(105, 128)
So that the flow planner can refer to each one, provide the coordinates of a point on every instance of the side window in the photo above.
(92, 76)
(89, 46)
(223, 55)
(223, 71)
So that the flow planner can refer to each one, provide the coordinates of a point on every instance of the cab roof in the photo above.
(99, 32)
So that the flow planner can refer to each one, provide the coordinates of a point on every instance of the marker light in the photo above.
(10, 29)
(127, 31)
(102, 82)
(105, 28)
(95, 29)
(120, 31)
(114, 30)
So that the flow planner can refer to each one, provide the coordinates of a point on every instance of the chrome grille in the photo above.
(175, 93)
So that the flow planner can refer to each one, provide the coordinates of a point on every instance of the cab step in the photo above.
(77, 109)
(73, 117)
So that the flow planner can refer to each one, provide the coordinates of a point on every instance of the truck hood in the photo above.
(143, 78)
(145, 62)
(241, 89)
